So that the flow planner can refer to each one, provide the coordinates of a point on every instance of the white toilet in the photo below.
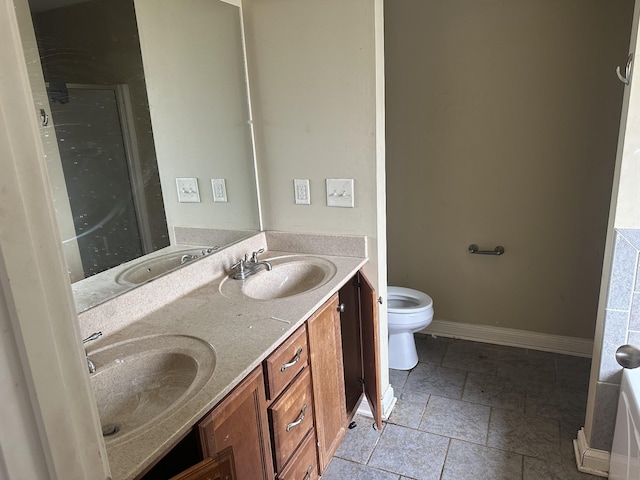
(408, 311)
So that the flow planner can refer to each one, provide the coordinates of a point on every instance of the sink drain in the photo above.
(109, 430)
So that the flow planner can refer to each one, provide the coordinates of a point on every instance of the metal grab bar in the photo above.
(473, 248)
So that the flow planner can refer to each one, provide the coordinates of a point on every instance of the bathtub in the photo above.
(625, 452)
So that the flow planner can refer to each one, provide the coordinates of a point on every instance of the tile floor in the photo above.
(473, 411)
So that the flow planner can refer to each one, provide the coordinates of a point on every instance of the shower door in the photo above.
(96, 170)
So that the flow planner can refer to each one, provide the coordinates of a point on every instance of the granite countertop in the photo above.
(243, 332)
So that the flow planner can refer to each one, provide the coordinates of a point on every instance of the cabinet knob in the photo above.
(341, 308)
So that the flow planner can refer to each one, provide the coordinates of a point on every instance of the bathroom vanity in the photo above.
(289, 369)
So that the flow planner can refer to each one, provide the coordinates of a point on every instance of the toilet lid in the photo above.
(407, 300)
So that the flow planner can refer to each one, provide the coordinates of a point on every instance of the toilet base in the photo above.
(402, 351)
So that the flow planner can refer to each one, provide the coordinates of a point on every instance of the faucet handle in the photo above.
(242, 269)
(254, 255)
(93, 336)
(240, 264)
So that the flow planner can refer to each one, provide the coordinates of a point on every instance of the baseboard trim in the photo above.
(388, 402)
(581, 347)
(590, 460)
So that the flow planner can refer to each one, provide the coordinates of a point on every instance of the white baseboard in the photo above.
(590, 460)
(388, 402)
(581, 347)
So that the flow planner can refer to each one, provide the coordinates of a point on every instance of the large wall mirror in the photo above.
(133, 95)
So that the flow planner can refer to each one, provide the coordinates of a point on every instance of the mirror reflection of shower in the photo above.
(97, 95)
(104, 179)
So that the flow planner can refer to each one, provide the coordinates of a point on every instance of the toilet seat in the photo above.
(407, 301)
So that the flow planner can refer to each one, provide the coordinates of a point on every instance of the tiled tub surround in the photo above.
(242, 331)
(621, 326)
(473, 411)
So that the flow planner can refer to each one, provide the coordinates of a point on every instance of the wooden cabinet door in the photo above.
(220, 467)
(240, 422)
(351, 344)
(359, 325)
(325, 358)
(370, 352)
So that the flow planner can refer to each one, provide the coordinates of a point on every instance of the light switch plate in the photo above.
(188, 190)
(340, 192)
(219, 187)
(302, 192)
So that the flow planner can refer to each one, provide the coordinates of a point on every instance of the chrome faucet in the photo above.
(203, 253)
(254, 260)
(246, 266)
(187, 258)
(90, 364)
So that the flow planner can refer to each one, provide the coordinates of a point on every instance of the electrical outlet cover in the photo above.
(340, 192)
(302, 192)
(219, 187)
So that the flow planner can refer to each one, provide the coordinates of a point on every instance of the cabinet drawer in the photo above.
(291, 418)
(285, 363)
(304, 464)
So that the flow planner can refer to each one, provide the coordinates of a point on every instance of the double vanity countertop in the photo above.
(243, 331)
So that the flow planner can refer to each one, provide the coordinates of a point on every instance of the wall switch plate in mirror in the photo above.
(188, 190)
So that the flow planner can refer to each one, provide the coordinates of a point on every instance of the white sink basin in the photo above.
(150, 268)
(139, 382)
(290, 275)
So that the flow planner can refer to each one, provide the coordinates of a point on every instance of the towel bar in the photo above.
(473, 248)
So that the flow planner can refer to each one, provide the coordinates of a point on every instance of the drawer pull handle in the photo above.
(308, 475)
(295, 360)
(299, 420)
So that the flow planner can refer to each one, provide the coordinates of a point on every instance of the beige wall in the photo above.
(502, 122)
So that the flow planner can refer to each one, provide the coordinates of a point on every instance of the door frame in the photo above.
(35, 285)
(591, 460)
